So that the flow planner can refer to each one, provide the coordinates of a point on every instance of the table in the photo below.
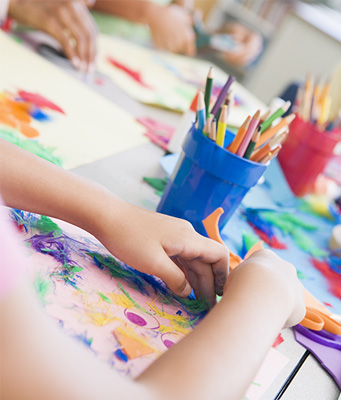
(122, 174)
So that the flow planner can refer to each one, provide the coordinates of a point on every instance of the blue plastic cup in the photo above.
(207, 177)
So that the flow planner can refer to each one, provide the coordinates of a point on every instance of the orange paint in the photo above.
(133, 347)
(28, 130)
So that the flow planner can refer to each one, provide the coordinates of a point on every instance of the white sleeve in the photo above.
(3, 9)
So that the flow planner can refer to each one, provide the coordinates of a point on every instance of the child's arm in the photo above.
(144, 240)
(218, 360)
(170, 26)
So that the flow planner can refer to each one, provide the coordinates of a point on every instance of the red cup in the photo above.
(305, 154)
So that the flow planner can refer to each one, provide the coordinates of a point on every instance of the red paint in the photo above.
(133, 74)
(272, 242)
(333, 278)
(278, 341)
(327, 304)
(39, 101)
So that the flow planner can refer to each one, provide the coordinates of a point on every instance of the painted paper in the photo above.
(80, 125)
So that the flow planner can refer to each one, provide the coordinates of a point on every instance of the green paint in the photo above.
(249, 239)
(300, 275)
(158, 184)
(132, 300)
(30, 145)
(113, 265)
(105, 298)
(43, 288)
(186, 92)
(196, 306)
(256, 384)
(287, 222)
(307, 244)
(46, 225)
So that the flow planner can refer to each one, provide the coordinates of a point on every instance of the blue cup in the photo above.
(207, 177)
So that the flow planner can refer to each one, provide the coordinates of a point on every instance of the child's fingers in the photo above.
(164, 268)
(205, 279)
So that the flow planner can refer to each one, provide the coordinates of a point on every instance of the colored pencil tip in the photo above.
(210, 74)
(290, 118)
(286, 106)
(201, 101)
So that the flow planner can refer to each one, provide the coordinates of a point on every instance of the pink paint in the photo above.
(39, 101)
(168, 343)
(133, 74)
(278, 341)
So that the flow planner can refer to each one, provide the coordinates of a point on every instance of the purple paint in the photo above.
(168, 343)
(135, 319)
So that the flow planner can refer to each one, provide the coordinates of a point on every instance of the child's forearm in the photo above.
(30, 183)
(221, 356)
(132, 10)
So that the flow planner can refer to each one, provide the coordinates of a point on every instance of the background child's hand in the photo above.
(68, 21)
(269, 272)
(168, 248)
(172, 29)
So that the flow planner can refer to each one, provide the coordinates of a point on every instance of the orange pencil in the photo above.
(263, 151)
(273, 153)
(269, 133)
(233, 147)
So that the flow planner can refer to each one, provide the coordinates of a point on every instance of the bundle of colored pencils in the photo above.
(257, 138)
(313, 104)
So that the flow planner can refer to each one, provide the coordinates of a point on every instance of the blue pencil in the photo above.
(201, 111)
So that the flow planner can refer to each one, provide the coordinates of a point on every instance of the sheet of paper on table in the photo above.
(91, 128)
(126, 321)
(164, 79)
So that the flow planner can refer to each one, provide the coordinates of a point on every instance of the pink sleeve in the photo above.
(12, 260)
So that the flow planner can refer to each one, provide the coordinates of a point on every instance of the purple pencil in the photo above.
(248, 135)
(222, 95)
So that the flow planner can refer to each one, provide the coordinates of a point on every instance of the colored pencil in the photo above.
(207, 127)
(201, 111)
(264, 116)
(277, 114)
(222, 95)
(267, 135)
(208, 89)
(315, 107)
(308, 96)
(252, 143)
(213, 130)
(233, 147)
(222, 127)
(263, 151)
(325, 111)
(272, 154)
(248, 135)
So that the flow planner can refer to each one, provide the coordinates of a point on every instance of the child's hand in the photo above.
(69, 22)
(172, 29)
(269, 273)
(168, 248)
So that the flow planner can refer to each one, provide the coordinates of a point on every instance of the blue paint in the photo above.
(39, 115)
(121, 355)
(179, 312)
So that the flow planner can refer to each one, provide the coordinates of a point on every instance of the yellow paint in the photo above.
(178, 323)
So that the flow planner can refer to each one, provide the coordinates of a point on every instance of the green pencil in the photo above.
(208, 90)
(278, 113)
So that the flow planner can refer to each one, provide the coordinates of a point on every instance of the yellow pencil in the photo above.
(222, 126)
(308, 95)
